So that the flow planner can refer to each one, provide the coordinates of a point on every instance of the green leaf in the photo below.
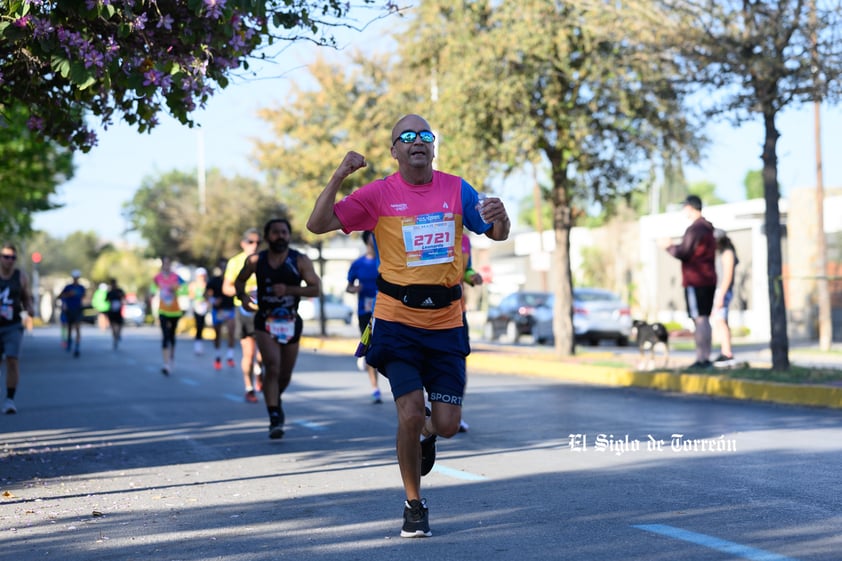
(60, 65)
(81, 76)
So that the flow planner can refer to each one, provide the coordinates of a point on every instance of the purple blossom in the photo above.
(35, 123)
(92, 57)
(166, 22)
(140, 22)
(90, 138)
(41, 28)
(214, 8)
(22, 22)
(152, 77)
(237, 43)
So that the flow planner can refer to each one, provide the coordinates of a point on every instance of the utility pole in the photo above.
(200, 171)
(822, 289)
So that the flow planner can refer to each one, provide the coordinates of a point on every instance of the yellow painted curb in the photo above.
(698, 384)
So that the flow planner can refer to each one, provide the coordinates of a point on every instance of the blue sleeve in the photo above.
(470, 215)
(352, 272)
(376, 251)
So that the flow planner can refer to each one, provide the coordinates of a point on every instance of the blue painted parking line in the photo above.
(457, 474)
(731, 548)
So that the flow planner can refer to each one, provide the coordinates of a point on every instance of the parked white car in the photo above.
(335, 308)
(597, 314)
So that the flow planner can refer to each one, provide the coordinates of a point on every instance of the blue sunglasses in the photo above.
(407, 137)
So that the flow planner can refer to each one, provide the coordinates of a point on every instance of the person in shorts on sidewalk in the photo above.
(419, 340)
(697, 253)
(280, 271)
(15, 297)
(728, 262)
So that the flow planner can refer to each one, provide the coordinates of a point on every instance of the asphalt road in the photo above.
(107, 459)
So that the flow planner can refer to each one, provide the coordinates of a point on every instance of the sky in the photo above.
(107, 177)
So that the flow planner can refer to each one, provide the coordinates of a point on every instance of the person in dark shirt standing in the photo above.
(697, 253)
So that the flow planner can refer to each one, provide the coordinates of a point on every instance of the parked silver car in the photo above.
(597, 314)
(335, 308)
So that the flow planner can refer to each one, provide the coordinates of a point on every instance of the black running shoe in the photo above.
(276, 424)
(276, 431)
(416, 522)
(428, 450)
(428, 454)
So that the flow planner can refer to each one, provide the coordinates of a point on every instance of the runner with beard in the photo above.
(280, 271)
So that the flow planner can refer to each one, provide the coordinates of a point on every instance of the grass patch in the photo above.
(609, 363)
(795, 375)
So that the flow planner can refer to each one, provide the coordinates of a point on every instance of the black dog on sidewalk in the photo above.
(649, 336)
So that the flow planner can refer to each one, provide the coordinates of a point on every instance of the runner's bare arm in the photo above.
(249, 267)
(323, 219)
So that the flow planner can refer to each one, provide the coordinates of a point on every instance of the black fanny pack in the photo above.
(423, 296)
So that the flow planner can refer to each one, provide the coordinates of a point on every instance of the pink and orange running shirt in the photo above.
(168, 286)
(418, 229)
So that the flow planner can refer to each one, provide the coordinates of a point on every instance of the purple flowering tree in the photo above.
(64, 60)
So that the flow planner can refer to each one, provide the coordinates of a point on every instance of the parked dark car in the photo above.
(514, 316)
(597, 314)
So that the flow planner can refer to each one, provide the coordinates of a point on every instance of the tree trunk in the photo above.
(562, 285)
(777, 306)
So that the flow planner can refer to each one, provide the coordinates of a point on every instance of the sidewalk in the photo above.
(492, 359)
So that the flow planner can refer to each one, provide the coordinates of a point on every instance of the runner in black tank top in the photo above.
(280, 272)
(275, 312)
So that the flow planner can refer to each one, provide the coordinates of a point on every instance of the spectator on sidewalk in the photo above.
(722, 298)
(697, 253)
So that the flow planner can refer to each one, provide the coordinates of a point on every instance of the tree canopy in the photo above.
(29, 172)
(344, 110)
(63, 60)
(507, 85)
(565, 86)
(165, 212)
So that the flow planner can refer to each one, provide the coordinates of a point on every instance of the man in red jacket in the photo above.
(697, 253)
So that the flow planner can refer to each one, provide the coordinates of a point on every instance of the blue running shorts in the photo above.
(11, 336)
(415, 359)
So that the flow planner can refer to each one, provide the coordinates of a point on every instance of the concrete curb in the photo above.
(695, 384)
